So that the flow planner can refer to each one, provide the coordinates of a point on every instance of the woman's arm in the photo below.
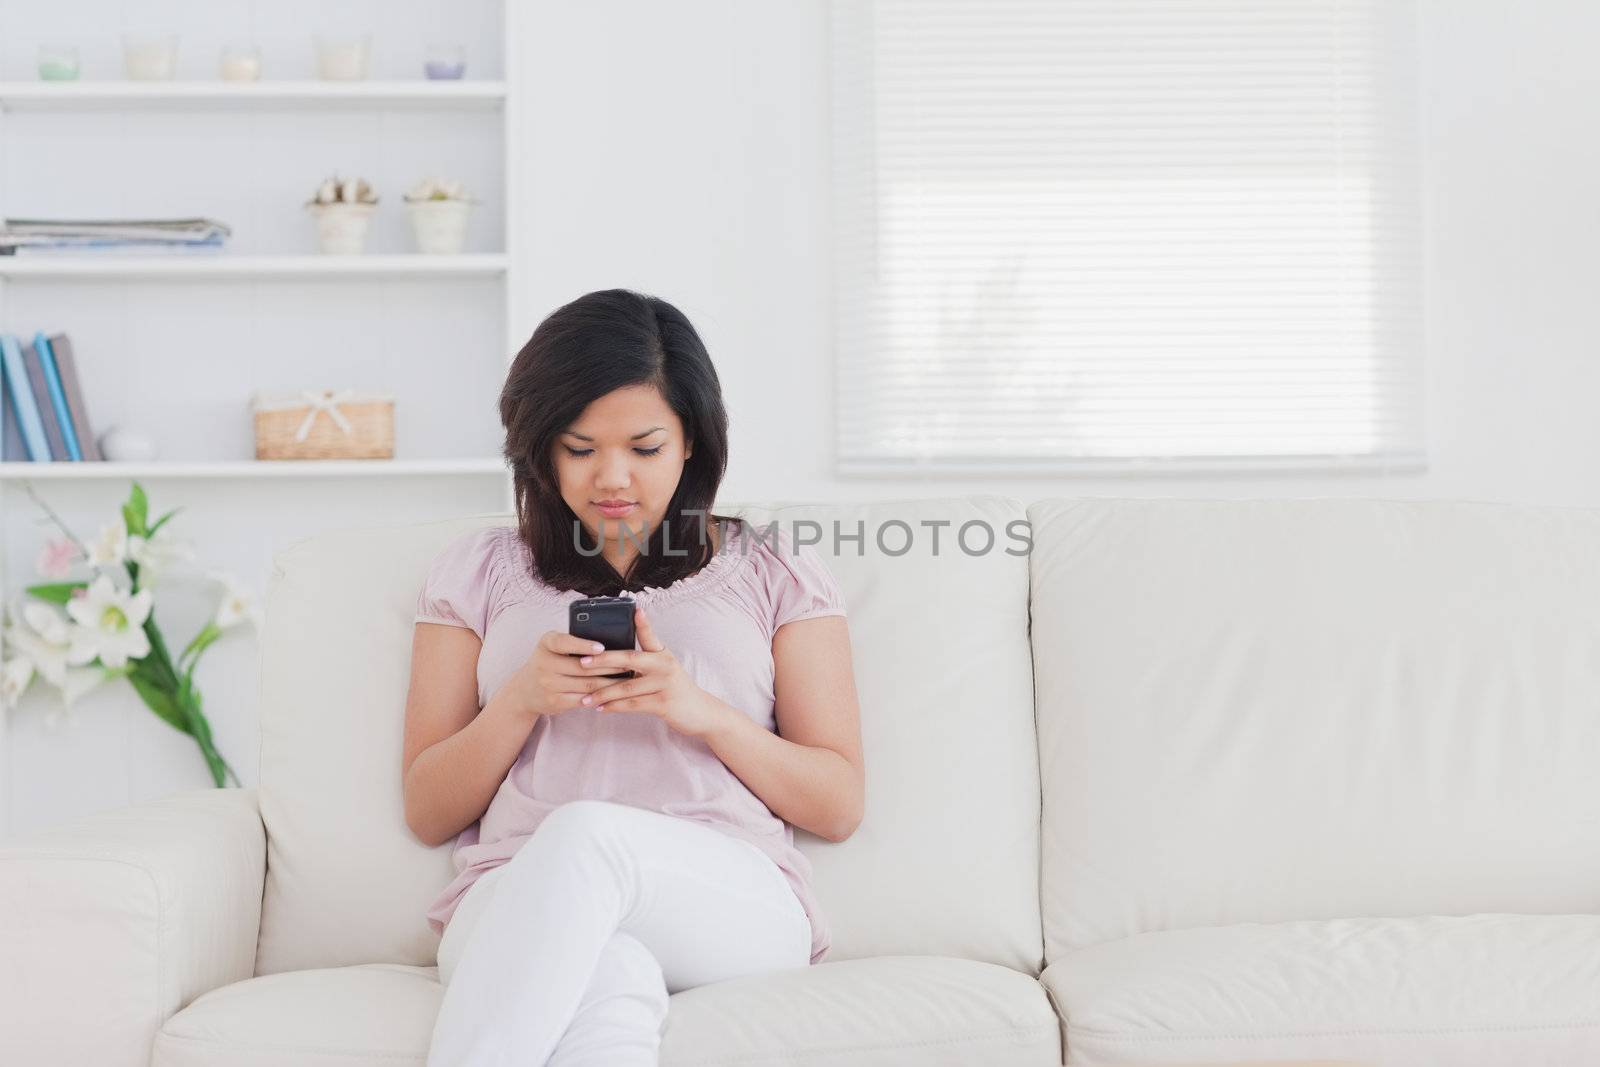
(455, 756)
(811, 773)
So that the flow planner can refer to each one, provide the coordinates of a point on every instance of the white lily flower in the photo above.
(42, 646)
(156, 555)
(110, 548)
(238, 603)
(47, 622)
(79, 681)
(44, 639)
(15, 674)
(110, 624)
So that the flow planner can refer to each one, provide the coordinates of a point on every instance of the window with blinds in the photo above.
(1121, 234)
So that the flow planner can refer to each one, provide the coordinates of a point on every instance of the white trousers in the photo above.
(566, 954)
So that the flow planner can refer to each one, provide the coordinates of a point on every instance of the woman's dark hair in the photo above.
(598, 343)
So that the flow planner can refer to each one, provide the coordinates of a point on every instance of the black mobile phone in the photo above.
(606, 619)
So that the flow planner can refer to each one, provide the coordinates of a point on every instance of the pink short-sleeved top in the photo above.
(719, 622)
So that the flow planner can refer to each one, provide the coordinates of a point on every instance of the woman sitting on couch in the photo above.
(619, 840)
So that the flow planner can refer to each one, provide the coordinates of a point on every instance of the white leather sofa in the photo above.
(1270, 780)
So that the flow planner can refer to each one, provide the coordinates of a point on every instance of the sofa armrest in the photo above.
(111, 923)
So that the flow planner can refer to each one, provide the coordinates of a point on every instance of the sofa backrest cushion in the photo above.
(944, 862)
(347, 881)
(946, 859)
(1265, 710)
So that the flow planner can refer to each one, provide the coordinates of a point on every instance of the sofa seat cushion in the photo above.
(1467, 991)
(378, 1013)
(888, 1010)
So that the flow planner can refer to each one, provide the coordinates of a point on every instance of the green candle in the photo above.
(58, 68)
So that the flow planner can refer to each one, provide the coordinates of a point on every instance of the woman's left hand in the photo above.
(661, 687)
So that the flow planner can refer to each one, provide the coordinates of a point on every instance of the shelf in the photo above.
(221, 265)
(250, 468)
(99, 95)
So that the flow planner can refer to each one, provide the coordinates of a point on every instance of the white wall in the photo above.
(690, 158)
(682, 149)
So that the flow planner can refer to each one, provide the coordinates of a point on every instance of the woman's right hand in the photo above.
(552, 680)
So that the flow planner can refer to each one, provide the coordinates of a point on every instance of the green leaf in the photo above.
(160, 700)
(159, 661)
(56, 592)
(202, 735)
(173, 697)
(136, 512)
(202, 640)
(163, 519)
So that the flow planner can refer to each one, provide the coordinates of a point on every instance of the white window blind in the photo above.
(1124, 234)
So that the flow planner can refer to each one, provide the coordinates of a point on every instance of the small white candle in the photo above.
(240, 68)
(343, 62)
(150, 59)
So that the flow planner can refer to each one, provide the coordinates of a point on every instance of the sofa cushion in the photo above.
(379, 1013)
(918, 1011)
(945, 861)
(1272, 710)
(1470, 991)
(347, 882)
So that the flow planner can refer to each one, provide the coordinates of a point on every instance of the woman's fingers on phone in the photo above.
(612, 660)
(573, 672)
(599, 667)
(556, 641)
(583, 685)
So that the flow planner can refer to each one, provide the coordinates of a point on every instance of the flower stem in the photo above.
(48, 510)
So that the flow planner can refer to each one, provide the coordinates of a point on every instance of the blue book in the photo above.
(58, 399)
(22, 404)
(12, 450)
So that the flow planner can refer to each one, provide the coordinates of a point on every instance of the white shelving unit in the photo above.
(303, 468)
(122, 95)
(312, 97)
(221, 266)
(176, 343)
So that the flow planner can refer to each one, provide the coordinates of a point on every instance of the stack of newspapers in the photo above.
(111, 235)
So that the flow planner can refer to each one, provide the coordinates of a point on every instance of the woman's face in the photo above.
(627, 447)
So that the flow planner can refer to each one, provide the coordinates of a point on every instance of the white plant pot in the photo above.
(342, 228)
(440, 225)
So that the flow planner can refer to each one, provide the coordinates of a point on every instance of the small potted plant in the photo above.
(343, 208)
(439, 211)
